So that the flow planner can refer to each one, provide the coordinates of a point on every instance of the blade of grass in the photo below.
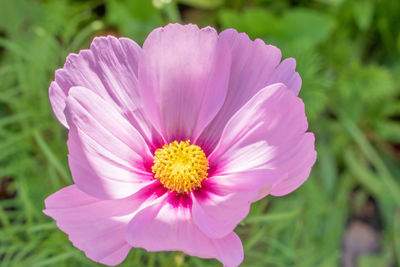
(272, 217)
(372, 155)
(54, 260)
(51, 157)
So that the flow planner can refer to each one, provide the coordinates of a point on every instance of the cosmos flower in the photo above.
(169, 144)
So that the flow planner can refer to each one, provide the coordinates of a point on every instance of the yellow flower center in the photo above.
(180, 167)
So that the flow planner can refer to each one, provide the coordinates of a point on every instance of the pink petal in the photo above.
(167, 226)
(263, 149)
(247, 180)
(268, 132)
(224, 200)
(95, 226)
(183, 76)
(98, 226)
(299, 162)
(255, 65)
(217, 210)
(107, 156)
(109, 69)
(286, 73)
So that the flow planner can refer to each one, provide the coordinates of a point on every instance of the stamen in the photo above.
(180, 167)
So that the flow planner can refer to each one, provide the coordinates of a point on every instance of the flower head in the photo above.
(169, 144)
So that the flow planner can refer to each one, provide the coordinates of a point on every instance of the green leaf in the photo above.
(272, 217)
(261, 23)
(369, 85)
(134, 19)
(206, 4)
(231, 19)
(306, 27)
(299, 26)
(389, 130)
(363, 13)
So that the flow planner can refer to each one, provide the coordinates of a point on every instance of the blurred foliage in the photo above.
(347, 53)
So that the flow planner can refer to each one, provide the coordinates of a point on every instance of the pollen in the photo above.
(180, 167)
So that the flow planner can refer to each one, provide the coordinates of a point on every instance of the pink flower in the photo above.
(169, 144)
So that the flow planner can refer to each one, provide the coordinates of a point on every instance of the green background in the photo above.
(348, 55)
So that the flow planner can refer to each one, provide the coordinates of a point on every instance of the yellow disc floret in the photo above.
(180, 167)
